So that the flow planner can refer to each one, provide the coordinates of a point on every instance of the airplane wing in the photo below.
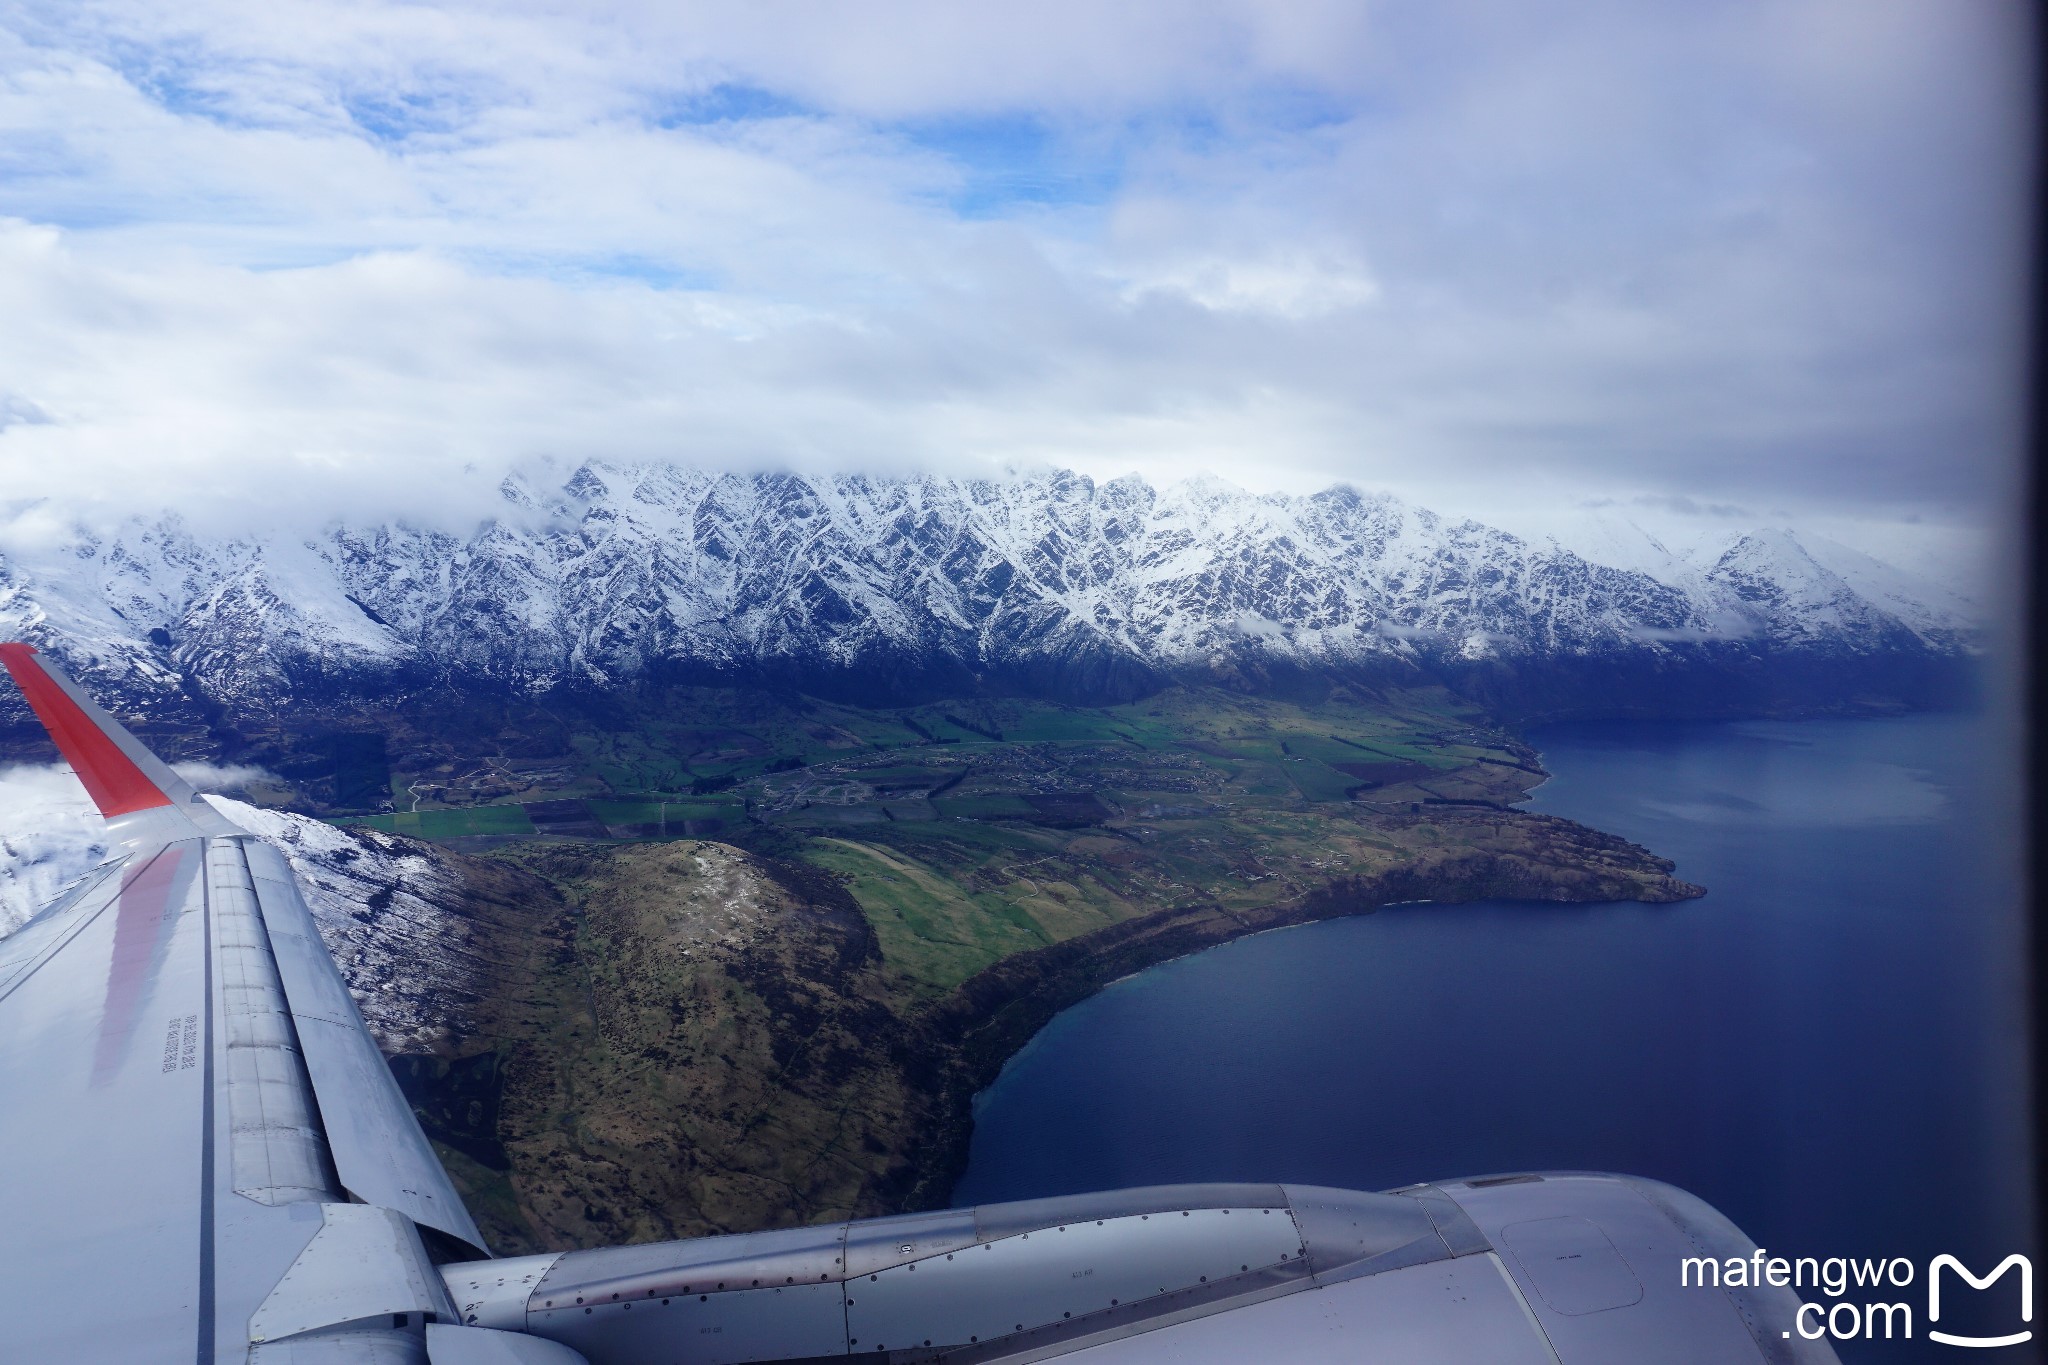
(204, 1158)
(201, 1149)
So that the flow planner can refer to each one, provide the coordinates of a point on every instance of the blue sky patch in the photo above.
(1015, 160)
(727, 103)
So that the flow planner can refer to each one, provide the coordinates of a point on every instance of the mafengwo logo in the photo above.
(1946, 1262)
(1847, 1318)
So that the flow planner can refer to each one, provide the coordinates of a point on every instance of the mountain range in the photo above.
(883, 588)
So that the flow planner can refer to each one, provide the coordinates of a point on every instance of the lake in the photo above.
(1828, 1046)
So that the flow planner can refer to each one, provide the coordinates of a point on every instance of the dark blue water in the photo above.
(1828, 1046)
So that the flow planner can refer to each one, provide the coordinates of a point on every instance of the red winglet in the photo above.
(111, 778)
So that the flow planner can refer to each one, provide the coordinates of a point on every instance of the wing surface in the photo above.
(105, 1083)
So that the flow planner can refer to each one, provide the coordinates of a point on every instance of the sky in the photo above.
(271, 261)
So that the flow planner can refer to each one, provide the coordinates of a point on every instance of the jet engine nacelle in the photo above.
(1549, 1268)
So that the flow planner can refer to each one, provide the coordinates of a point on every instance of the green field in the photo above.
(711, 753)
(714, 746)
(994, 806)
(449, 824)
(1078, 817)
(944, 906)
(655, 811)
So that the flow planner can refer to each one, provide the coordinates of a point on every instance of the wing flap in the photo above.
(379, 1152)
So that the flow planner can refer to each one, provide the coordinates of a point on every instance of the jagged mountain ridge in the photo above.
(886, 586)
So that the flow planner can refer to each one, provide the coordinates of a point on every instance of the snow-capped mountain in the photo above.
(886, 586)
(1821, 576)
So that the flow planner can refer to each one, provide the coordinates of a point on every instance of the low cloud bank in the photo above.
(50, 835)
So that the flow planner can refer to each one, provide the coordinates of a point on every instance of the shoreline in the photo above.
(975, 1031)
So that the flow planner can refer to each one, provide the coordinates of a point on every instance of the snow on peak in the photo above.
(620, 570)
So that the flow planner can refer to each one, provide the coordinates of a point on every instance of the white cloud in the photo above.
(50, 836)
(222, 777)
(316, 258)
